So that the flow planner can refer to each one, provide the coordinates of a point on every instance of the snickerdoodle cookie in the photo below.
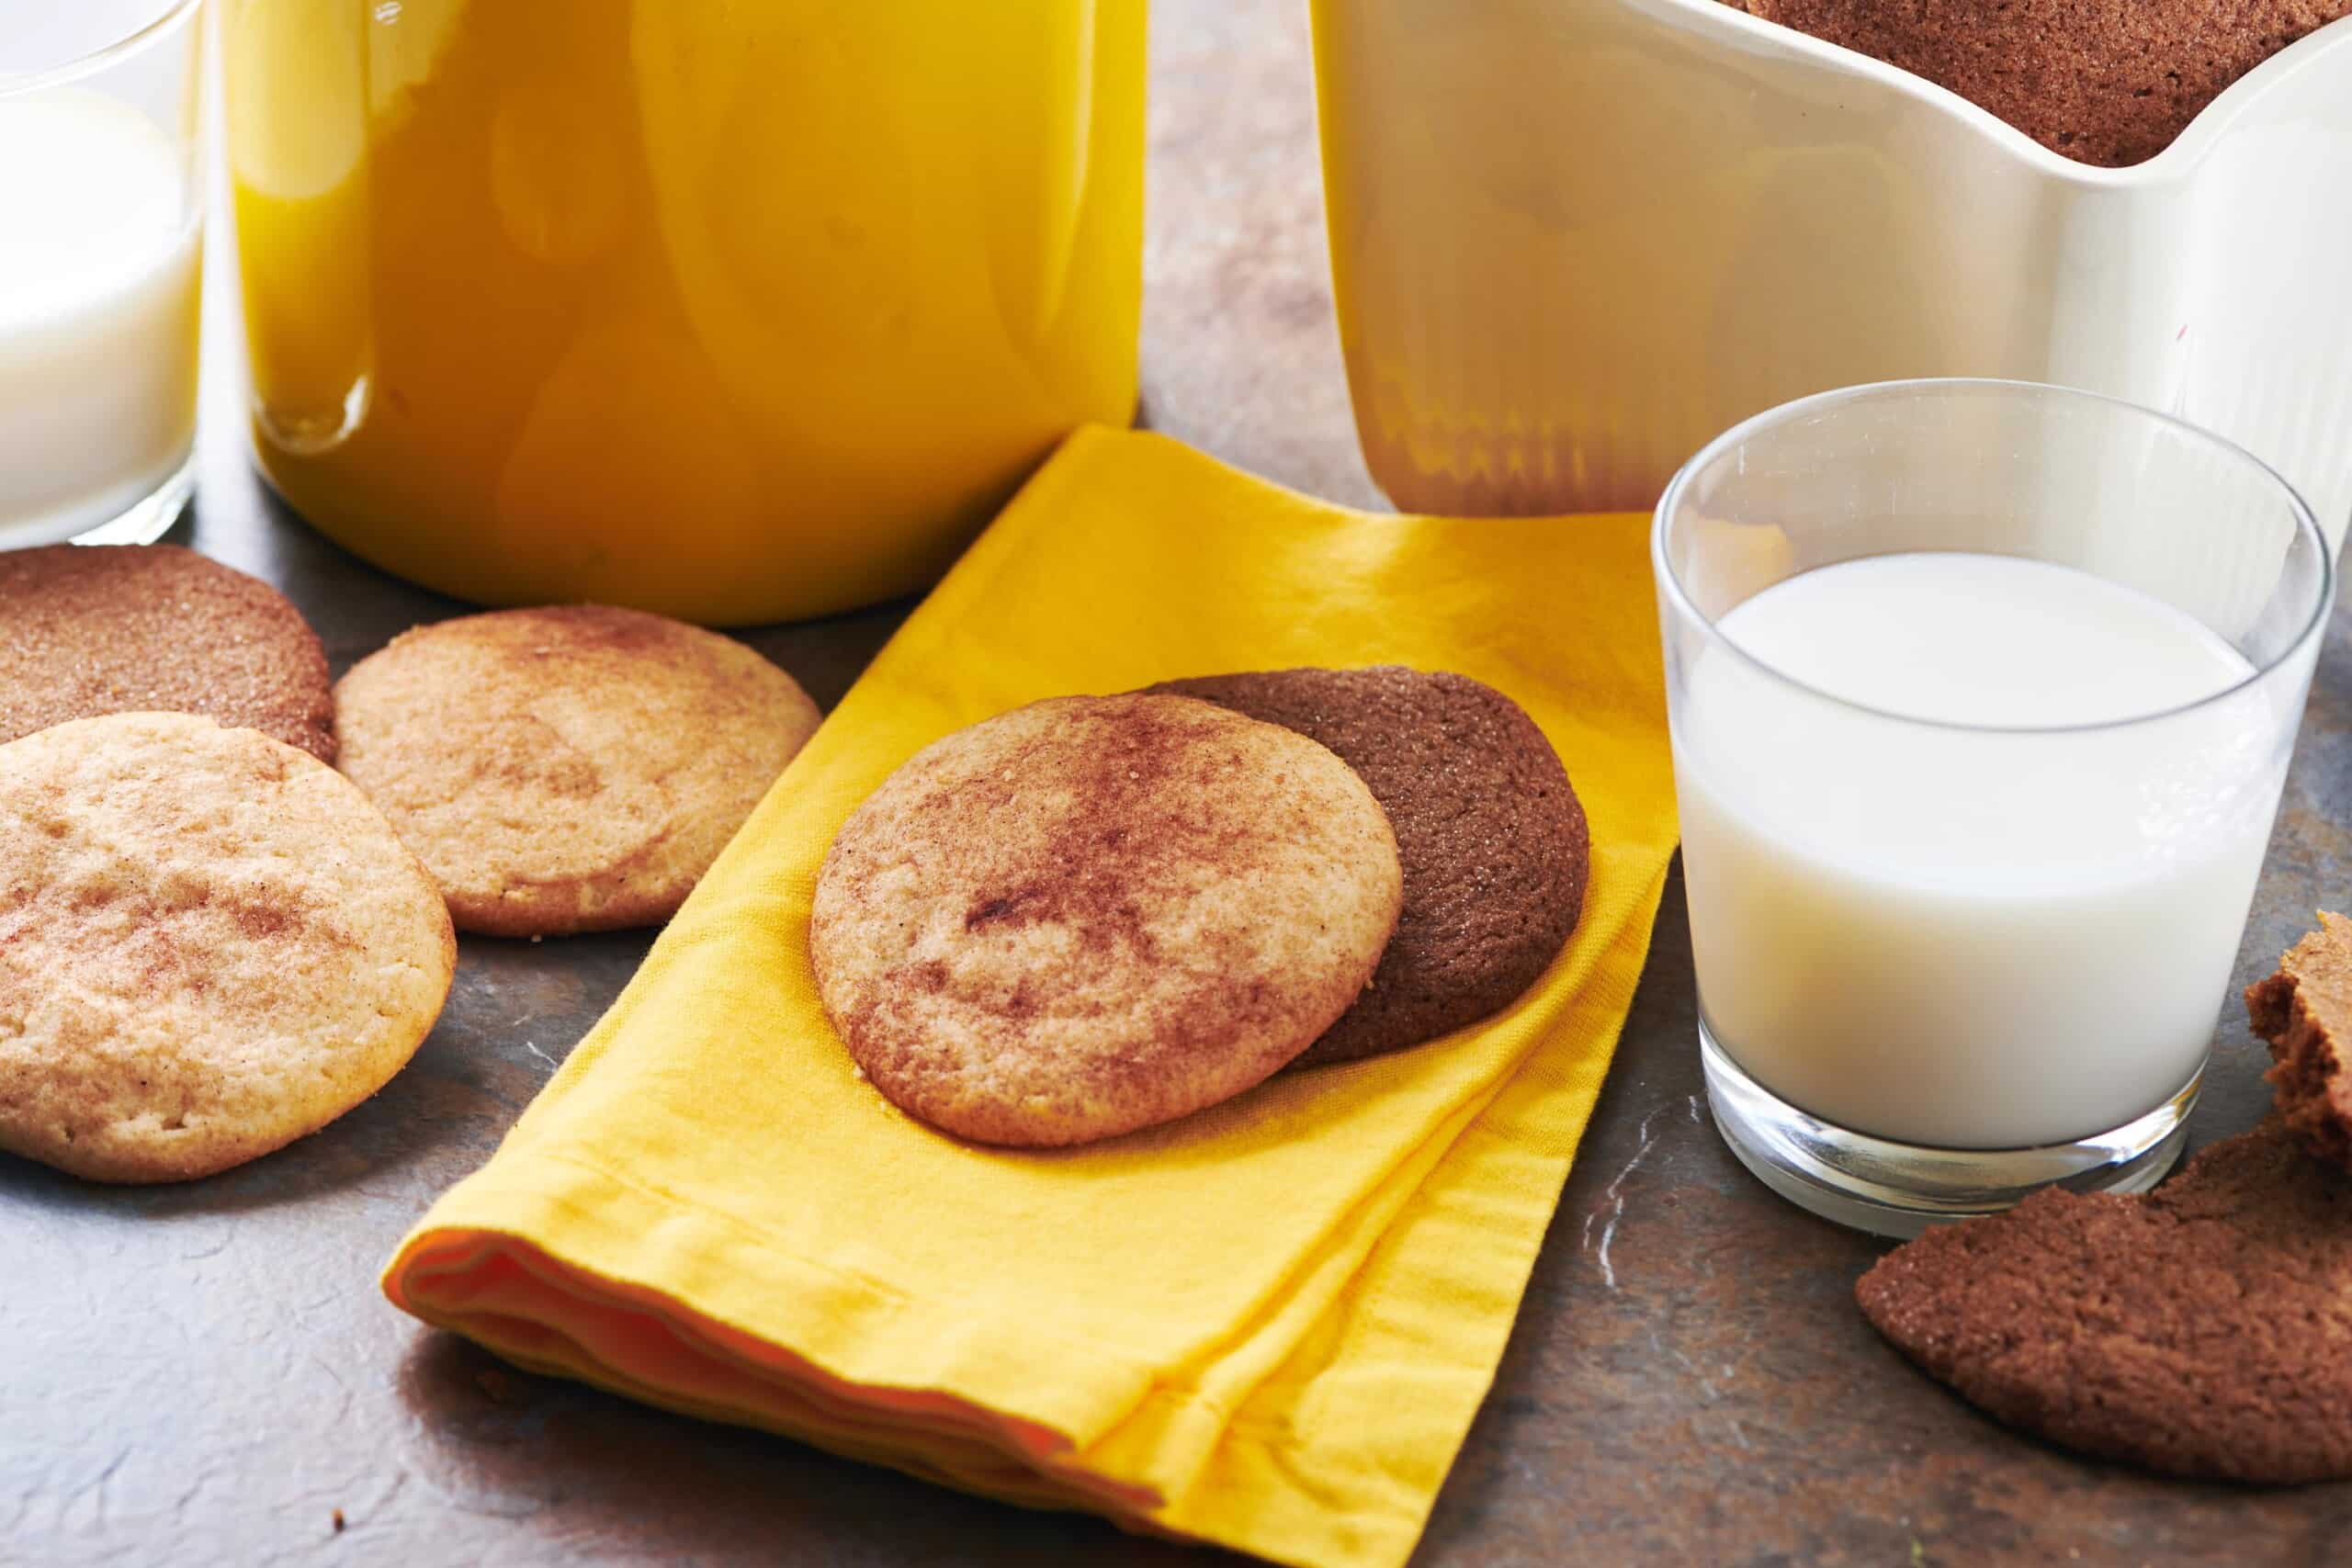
(569, 769)
(1094, 914)
(210, 944)
(154, 629)
(1493, 840)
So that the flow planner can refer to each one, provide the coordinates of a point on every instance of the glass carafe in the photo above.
(733, 309)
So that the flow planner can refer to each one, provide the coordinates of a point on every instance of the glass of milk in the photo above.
(1982, 696)
(101, 216)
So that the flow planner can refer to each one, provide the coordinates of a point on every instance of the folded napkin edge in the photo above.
(1289, 1519)
(433, 1257)
(412, 1254)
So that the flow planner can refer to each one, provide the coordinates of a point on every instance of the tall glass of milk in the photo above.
(1982, 697)
(100, 222)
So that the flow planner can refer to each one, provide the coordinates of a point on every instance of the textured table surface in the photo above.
(206, 1373)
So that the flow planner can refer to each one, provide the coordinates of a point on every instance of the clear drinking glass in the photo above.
(1982, 695)
(101, 228)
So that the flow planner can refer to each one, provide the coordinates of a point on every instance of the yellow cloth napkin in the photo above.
(1266, 1326)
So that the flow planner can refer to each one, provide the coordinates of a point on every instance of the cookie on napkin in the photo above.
(1493, 840)
(154, 629)
(2305, 1012)
(1095, 914)
(569, 769)
(210, 944)
(2203, 1330)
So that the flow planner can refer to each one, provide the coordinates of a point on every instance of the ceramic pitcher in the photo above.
(1571, 242)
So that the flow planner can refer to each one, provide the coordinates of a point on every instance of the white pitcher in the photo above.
(1572, 240)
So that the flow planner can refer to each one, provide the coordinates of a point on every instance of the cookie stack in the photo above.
(2203, 1330)
(211, 942)
(1094, 915)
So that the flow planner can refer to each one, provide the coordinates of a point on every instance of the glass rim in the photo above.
(1670, 582)
(15, 84)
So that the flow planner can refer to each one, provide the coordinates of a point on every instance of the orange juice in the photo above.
(733, 309)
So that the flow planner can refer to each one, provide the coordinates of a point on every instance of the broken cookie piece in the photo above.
(2203, 1330)
(2305, 1012)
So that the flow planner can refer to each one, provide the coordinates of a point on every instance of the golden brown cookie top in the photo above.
(2305, 1012)
(132, 629)
(210, 945)
(569, 769)
(2201, 1329)
(1095, 914)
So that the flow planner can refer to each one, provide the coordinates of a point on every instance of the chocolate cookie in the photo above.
(1493, 840)
(2305, 1012)
(2103, 84)
(1094, 914)
(154, 629)
(2204, 1329)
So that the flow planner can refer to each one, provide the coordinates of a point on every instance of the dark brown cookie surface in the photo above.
(2305, 1012)
(2204, 1329)
(2108, 81)
(1493, 840)
(154, 629)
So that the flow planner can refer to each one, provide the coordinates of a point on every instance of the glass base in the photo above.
(149, 518)
(1900, 1189)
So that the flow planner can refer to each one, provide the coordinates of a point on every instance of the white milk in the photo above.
(1954, 937)
(98, 300)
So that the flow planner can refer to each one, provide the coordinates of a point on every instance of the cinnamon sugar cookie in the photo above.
(570, 769)
(1094, 914)
(138, 628)
(210, 944)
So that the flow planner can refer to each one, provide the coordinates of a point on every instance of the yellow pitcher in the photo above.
(733, 309)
